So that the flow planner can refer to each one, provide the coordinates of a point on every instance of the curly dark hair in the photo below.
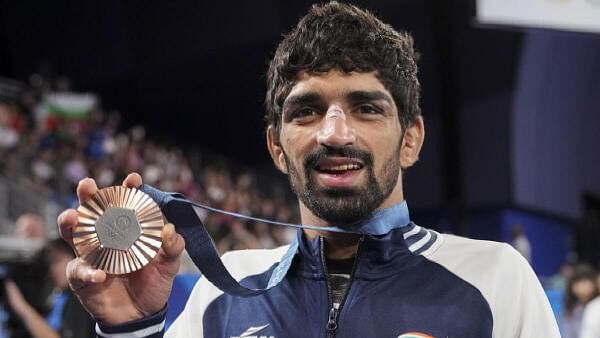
(346, 38)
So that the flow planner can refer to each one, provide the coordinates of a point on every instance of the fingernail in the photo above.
(167, 232)
(92, 275)
(170, 233)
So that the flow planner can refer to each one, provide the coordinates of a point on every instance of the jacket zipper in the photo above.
(332, 320)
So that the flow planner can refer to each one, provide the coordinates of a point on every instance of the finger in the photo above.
(173, 243)
(169, 256)
(81, 274)
(66, 221)
(133, 180)
(86, 189)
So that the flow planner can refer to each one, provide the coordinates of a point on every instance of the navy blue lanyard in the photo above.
(200, 246)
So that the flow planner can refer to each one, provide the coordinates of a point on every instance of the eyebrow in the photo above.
(301, 99)
(364, 96)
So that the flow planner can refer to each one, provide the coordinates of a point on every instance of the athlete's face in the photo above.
(342, 145)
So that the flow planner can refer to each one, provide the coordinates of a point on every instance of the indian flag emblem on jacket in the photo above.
(415, 335)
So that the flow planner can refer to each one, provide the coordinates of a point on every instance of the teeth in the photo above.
(342, 167)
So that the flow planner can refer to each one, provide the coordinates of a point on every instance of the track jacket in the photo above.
(412, 282)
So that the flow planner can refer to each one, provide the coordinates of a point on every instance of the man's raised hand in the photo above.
(116, 299)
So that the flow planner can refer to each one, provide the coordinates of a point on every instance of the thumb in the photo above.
(172, 247)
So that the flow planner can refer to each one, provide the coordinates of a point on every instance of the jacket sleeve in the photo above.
(523, 302)
(190, 322)
(148, 327)
(519, 306)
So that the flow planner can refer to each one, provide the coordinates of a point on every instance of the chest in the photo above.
(433, 303)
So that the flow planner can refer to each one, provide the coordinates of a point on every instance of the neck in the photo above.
(342, 245)
(339, 246)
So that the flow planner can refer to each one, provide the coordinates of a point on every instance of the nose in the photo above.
(334, 131)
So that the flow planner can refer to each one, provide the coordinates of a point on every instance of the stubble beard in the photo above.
(345, 207)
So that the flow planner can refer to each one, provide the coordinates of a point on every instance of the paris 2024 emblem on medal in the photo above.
(119, 230)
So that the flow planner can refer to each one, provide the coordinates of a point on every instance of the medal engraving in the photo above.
(119, 230)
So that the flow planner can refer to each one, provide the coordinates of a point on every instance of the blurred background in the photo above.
(175, 90)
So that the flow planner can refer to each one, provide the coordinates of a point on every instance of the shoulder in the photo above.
(505, 279)
(455, 251)
(244, 263)
(240, 264)
(487, 265)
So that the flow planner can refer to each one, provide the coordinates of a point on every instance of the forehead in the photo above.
(335, 84)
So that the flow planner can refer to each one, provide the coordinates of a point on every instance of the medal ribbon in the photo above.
(201, 248)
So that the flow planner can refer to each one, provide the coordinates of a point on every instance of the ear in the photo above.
(412, 143)
(275, 150)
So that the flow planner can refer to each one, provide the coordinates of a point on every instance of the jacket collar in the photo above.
(377, 256)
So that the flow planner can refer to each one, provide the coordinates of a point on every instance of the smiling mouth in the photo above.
(338, 166)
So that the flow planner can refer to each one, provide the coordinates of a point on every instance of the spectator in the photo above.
(11, 124)
(520, 242)
(581, 289)
(26, 268)
(67, 318)
(31, 226)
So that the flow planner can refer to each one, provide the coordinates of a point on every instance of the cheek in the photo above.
(382, 143)
(294, 134)
(296, 144)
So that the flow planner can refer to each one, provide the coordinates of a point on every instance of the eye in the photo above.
(303, 114)
(368, 109)
(306, 111)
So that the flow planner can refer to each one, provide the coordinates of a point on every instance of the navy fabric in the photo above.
(297, 306)
(393, 292)
(135, 325)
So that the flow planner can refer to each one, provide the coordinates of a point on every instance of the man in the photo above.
(520, 242)
(27, 269)
(67, 319)
(343, 122)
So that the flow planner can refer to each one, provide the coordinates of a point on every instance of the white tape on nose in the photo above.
(335, 129)
(335, 111)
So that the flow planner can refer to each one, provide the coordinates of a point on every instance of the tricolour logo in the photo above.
(415, 335)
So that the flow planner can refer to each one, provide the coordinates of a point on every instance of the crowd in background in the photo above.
(49, 152)
(54, 152)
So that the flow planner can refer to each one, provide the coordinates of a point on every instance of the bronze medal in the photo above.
(119, 230)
